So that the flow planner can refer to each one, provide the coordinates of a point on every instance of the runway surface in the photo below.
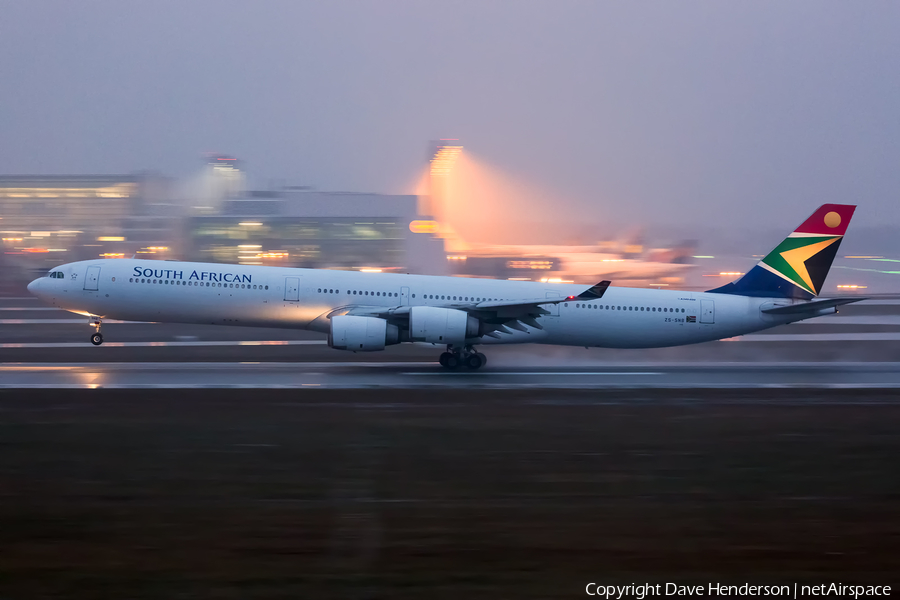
(45, 347)
(363, 375)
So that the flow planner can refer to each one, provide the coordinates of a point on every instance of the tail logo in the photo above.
(803, 259)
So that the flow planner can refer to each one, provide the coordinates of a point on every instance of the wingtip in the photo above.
(595, 292)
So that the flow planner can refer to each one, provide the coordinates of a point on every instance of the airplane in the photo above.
(362, 312)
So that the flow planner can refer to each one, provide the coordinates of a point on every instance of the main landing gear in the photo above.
(97, 337)
(455, 358)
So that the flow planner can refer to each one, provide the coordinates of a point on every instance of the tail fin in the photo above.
(797, 267)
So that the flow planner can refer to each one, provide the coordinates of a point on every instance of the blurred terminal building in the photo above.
(46, 220)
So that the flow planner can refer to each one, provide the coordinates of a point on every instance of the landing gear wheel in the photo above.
(475, 361)
(450, 360)
(97, 339)
(482, 357)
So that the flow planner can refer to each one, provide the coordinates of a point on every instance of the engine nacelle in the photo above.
(362, 334)
(441, 325)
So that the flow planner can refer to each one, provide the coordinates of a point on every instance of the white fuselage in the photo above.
(258, 296)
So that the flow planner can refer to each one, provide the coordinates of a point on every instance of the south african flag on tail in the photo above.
(797, 267)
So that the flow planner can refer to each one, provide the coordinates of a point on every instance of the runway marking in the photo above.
(855, 366)
(517, 373)
(818, 337)
(860, 320)
(208, 366)
(82, 321)
(166, 344)
(550, 386)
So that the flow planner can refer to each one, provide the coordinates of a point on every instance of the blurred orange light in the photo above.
(423, 226)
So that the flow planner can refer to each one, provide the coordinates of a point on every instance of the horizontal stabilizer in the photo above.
(809, 307)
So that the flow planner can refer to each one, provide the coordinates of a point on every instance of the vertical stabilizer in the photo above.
(797, 267)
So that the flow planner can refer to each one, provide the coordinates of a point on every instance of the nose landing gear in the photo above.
(97, 337)
(454, 358)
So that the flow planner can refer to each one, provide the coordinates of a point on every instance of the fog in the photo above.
(681, 115)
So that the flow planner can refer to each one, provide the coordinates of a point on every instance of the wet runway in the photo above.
(364, 375)
(45, 347)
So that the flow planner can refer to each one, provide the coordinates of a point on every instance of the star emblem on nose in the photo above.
(74, 276)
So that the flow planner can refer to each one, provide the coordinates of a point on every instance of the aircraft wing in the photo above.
(497, 315)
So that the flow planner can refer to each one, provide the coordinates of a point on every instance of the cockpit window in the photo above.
(55, 274)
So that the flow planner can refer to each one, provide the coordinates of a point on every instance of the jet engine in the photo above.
(362, 334)
(441, 325)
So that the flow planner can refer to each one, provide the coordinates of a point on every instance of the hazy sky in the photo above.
(668, 112)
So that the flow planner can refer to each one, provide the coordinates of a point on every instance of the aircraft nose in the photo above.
(33, 287)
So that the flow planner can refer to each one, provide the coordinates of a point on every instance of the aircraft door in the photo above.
(292, 289)
(92, 278)
(404, 296)
(707, 311)
(553, 308)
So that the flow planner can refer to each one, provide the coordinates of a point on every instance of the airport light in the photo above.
(421, 226)
(110, 238)
(529, 264)
(443, 160)
(250, 224)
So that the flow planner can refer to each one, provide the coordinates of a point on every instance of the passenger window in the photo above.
(414, 295)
